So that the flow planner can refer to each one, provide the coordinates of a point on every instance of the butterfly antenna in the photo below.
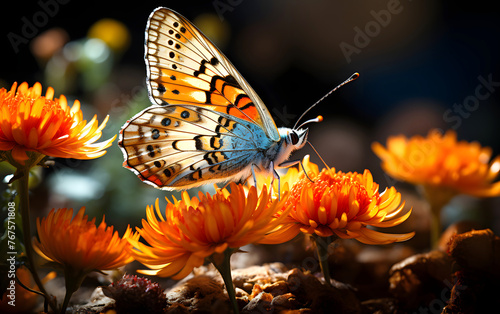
(317, 119)
(350, 79)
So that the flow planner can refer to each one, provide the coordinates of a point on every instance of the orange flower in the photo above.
(194, 229)
(30, 122)
(439, 160)
(79, 245)
(343, 204)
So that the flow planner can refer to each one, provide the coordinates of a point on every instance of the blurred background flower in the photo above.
(441, 167)
(80, 247)
(439, 161)
(78, 244)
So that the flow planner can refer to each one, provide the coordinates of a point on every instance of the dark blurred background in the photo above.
(421, 64)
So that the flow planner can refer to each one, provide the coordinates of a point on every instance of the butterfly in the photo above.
(206, 125)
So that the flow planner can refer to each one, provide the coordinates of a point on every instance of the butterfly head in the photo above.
(294, 138)
(291, 140)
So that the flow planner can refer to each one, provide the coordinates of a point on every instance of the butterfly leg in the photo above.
(291, 163)
(275, 176)
(253, 175)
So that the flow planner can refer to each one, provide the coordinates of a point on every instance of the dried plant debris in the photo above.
(270, 288)
(199, 294)
(477, 271)
(461, 280)
(420, 279)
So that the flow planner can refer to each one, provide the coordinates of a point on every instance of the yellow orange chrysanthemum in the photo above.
(30, 122)
(344, 205)
(80, 245)
(441, 160)
(194, 229)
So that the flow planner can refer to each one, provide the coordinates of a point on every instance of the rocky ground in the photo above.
(458, 277)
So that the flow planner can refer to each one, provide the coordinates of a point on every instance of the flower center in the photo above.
(341, 188)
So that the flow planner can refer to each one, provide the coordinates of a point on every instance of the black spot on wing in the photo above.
(151, 150)
(155, 134)
(166, 121)
(167, 173)
(161, 88)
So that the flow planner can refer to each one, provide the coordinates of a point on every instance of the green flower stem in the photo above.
(435, 226)
(322, 250)
(23, 189)
(437, 197)
(222, 263)
(73, 280)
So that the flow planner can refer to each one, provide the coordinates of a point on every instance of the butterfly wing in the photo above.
(183, 146)
(184, 67)
(207, 124)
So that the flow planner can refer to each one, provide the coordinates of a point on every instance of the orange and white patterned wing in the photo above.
(184, 67)
(183, 146)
